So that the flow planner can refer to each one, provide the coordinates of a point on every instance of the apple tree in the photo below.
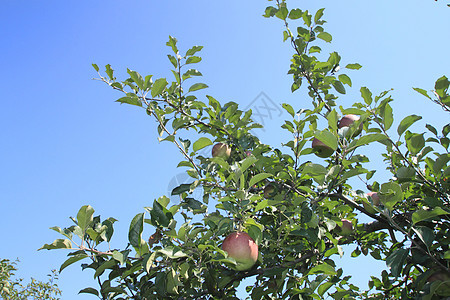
(12, 287)
(282, 213)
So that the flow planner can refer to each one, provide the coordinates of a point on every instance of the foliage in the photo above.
(298, 226)
(12, 288)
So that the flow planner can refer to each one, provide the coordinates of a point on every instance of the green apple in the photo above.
(270, 190)
(221, 150)
(347, 227)
(320, 149)
(241, 247)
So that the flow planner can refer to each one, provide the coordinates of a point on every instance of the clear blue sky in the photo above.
(65, 143)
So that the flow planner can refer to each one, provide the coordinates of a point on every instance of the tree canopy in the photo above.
(297, 202)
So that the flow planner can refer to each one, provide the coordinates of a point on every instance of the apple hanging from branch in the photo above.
(270, 190)
(375, 200)
(320, 149)
(241, 247)
(348, 120)
(347, 227)
(221, 150)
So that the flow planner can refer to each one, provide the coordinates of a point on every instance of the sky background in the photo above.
(66, 143)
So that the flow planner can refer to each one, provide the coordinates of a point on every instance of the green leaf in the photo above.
(425, 234)
(158, 86)
(352, 172)
(262, 204)
(307, 18)
(396, 260)
(173, 60)
(184, 187)
(160, 215)
(194, 205)
(345, 79)
(414, 142)
(121, 257)
(282, 13)
(137, 78)
(422, 215)
(72, 260)
(431, 129)
(58, 244)
(447, 255)
(173, 44)
(391, 193)
(109, 223)
(324, 287)
(96, 67)
(193, 60)
(422, 91)
(295, 14)
(255, 233)
(332, 118)
(269, 12)
(318, 15)
(193, 50)
(387, 115)
(327, 138)
(354, 66)
(258, 177)
(109, 264)
(322, 269)
(441, 84)
(135, 231)
(172, 252)
(109, 71)
(369, 138)
(314, 49)
(325, 36)
(172, 282)
(201, 143)
(289, 109)
(66, 232)
(131, 98)
(339, 87)
(404, 173)
(84, 217)
(366, 94)
(191, 72)
(197, 86)
(89, 290)
(247, 162)
(406, 123)
(314, 169)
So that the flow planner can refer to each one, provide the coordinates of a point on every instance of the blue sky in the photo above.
(65, 143)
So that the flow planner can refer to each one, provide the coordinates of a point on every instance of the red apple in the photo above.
(241, 247)
(347, 227)
(348, 120)
(439, 276)
(320, 149)
(375, 198)
(221, 150)
(443, 277)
